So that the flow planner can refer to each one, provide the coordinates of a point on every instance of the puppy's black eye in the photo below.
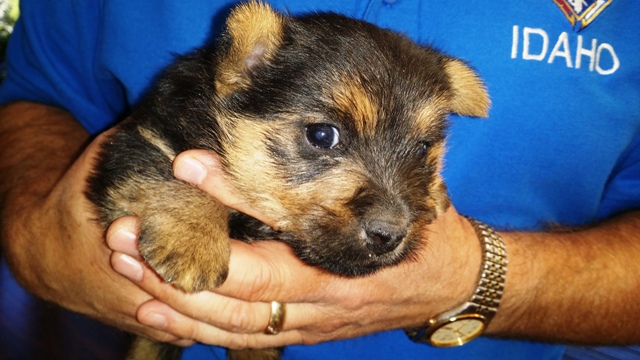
(423, 147)
(323, 136)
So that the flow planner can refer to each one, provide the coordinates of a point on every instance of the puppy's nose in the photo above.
(383, 237)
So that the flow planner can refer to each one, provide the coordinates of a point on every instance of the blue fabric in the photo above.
(396, 345)
(561, 145)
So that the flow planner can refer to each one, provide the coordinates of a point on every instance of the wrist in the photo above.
(466, 252)
(469, 319)
(518, 292)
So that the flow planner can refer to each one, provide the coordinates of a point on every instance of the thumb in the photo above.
(204, 169)
(269, 270)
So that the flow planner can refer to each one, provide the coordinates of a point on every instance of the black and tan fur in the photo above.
(257, 97)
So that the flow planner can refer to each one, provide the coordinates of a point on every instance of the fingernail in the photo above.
(156, 320)
(121, 238)
(128, 267)
(190, 170)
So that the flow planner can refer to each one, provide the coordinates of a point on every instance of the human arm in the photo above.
(574, 286)
(564, 287)
(52, 246)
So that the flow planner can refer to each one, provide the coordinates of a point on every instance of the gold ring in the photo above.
(276, 321)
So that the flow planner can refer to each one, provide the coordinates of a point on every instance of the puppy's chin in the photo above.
(339, 256)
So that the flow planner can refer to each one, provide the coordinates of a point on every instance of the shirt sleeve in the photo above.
(51, 60)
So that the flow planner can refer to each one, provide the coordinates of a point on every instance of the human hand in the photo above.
(320, 306)
(50, 239)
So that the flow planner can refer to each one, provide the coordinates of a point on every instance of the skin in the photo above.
(576, 286)
(566, 287)
(53, 248)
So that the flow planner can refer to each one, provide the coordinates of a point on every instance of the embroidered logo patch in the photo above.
(581, 13)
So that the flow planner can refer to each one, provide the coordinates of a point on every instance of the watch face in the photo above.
(458, 331)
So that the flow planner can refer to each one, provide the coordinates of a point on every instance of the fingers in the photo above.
(122, 239)
(206, 316)
(158, 314)
(216, 319)
(175, 312)
(184, 327)
(203, 169)
(269, 271)
(260, 272)
(125, 259)
(256, 270)
(122, 236)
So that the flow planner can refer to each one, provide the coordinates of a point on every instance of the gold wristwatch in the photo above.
(466, 322)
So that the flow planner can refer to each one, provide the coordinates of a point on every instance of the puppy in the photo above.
(332, 126)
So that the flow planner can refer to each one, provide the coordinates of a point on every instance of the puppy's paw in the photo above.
(189, 272)
(193, 258)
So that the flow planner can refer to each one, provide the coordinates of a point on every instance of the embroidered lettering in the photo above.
(562, 49)
(615, 62)
(526, 33)
(600, 57)
(591, 53)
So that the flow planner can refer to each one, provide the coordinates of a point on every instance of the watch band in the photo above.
(486, 298)
(494, 270)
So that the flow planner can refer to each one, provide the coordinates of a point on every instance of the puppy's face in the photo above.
(335, 129)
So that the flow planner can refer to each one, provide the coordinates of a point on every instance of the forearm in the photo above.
(580, 286)
(49, 238)
(37, 145)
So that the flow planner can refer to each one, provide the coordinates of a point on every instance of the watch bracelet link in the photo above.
(488, 293)
(493, 272)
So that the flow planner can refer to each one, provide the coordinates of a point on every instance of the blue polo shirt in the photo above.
(561, 144)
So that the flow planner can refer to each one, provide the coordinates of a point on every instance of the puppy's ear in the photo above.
(470, 97)
(255, 33)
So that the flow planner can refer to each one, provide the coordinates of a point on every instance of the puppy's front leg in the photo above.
(183, 234)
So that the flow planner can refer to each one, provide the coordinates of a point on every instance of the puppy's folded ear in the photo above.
(470, 97)
(253, 34)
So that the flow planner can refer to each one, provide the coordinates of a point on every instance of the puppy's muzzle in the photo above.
(384, 236)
